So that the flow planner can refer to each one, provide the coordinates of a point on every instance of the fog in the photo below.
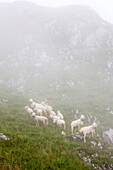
(61, 53)
(103, 7)
(66, 50)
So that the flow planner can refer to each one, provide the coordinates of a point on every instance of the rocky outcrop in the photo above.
(108, 136)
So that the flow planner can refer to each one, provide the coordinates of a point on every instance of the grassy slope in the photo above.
(41, 147)
(33, 147)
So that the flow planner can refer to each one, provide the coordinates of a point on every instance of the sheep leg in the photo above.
(64, 126)
(79, 128)
(46, 122)
(84, 137)
(92, 135)
(75, 130)
(72, 130)
(37, 123)
(45, 112)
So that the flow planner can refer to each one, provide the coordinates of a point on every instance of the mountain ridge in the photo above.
(61, 38)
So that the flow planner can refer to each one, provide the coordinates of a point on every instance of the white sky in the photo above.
(103, 7)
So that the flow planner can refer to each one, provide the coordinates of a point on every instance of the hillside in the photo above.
(62, 55)
(33, 37)
(65, 51)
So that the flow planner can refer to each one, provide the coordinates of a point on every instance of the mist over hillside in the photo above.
(63, 56)
(65, 51)
(66, 29)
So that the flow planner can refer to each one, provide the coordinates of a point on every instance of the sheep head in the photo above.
(43, 103)
(94, 125)
(82, 117)
(30, 100)
(26, 107)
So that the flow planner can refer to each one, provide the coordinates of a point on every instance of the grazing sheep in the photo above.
(33, 105)
(43, 103)
(40, 106)
(30, 100)
(38, 112)
(51, 116)
(53, 113)
(77, 123)
(55, 119)
(29, 110)
(33, 114)
(61, 123)
(89, 130)
(59, 114)
(47, 107)
(42, 119)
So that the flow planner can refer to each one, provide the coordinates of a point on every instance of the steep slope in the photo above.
(62, 52)
(64, 55)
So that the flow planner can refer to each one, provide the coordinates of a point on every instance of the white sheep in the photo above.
(55, 119)
(51, 116)
(30, 100)
(61, 123)
(33, 105)
(52, 113)
(43, 103)
(38, 112)
(29, 110)
(42, 119)
(47, 107)
(36, 106)
(88, 130)
(40, 106)
(59, 114)
(77, 123)
(33, 114)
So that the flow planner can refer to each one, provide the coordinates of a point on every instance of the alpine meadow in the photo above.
(62, 60)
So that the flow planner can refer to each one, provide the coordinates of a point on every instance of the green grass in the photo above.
(32, 147)
(41, 147)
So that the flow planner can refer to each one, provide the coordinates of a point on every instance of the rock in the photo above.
(96, 167)
(3, 101)
(95, 155)
(108, 136)
(63, 133)
(21, 89)
(103, 166)
(100, 145)
(87, 160)
(76, 137)
(94, 143)
(3, 137)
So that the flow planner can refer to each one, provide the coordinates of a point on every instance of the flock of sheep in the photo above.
(42, 111)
